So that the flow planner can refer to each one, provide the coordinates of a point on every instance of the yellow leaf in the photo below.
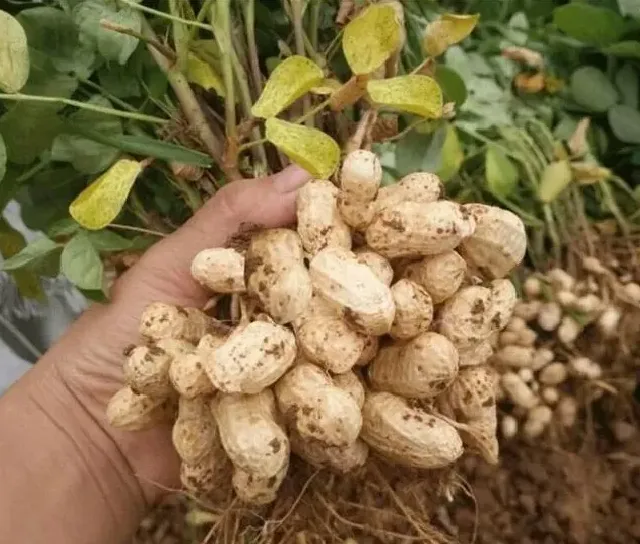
(14, 54)
(202, 73)
(371, 38)
(413, 93)
(326, 87)
(556, 178)
(101, 202)
(446, 30)
(312, 149)
(451, 156)
(292, 78)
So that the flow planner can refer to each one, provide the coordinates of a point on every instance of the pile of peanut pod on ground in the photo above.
(549, 349)
(366, 330)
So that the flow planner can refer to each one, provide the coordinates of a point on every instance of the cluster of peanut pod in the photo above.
(365, 329)
(539, 353)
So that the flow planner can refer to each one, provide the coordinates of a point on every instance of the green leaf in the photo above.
(51, 32)
(452, 155)
(144, 146)
(589, 24)
(101, 202)
(592, 90)
(413, 93)
(628, 49)
(293, 77)
(502, 175)
(452, 85)
(80, 262)
(32, 255)
(628, 85)
(518, 28)
(120, 81)
(11, 243)
(110, 44)
(371, 38)
(556, 178)
(625, 123)
(106, 240)
(63, 227)
(312, 149)
(630, 7)
(86, 155)
(14, 54)
(3, 160)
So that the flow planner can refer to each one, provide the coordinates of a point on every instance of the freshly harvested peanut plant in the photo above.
(340, 349)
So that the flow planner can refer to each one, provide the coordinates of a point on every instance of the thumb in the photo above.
(163, 273)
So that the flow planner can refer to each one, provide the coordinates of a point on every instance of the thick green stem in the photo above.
(222, 30)
(254, 60)
(298, 31)
(19, 97)
(313, 23)
(202, 16)
(187, 99)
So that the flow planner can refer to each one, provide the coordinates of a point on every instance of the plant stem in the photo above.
(313, 23)
(298, 31)
(108, 95)
(333, 46)
(21, 338)
(313, 111)
(34, 170)
(188, 101)
(254, 61)
(222, 31)
(406, 131)
(105, 23)
(251, 144)
(553, 232)
(164, 15)
(137, 229)
(202, 15)
(19, 97)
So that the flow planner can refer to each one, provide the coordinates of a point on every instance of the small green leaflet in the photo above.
(106, 240)
(80, 262)
(628, 84)
(31, 255)
(592, 89)
(628, 49)
(63, 227)
(501, 174)
(625, 123)
(590, 24)
(630, 7)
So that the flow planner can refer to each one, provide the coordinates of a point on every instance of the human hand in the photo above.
(87, 361)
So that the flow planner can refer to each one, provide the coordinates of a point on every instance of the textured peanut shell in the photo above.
(476, 354)
(252, 358)
(324, 337)
(175, 348)
(441, 275)
(210, 477)
(255, 489)
(419, 187)
(275, 274)
(351, 383)
(188, 377)
(371, 348)
(365, 302)
(518, 391)
(381, 267)
(131, 411)
(355, 213)
(515, 356)
(320, 224)
(481, 434)
(146, 371)
(503, 301)
(219, 269)
(250, 434)
(465, 318)
(422, 368)
(194, 432)
(414, 310)
(499, 242)
(361, 174)
(413, 229)
(316, 407)
(553, 374)
(339, 459)
(473, 390)
(161, 320)
(408, 436)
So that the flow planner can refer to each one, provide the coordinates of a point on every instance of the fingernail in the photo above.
(290, 179)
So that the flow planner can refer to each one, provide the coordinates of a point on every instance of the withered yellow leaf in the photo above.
(447, 30)
(556, 178)
(413, 93)
(202, 73)
(101, 202)
(371, 38)
(312, 149)
(291, 79)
